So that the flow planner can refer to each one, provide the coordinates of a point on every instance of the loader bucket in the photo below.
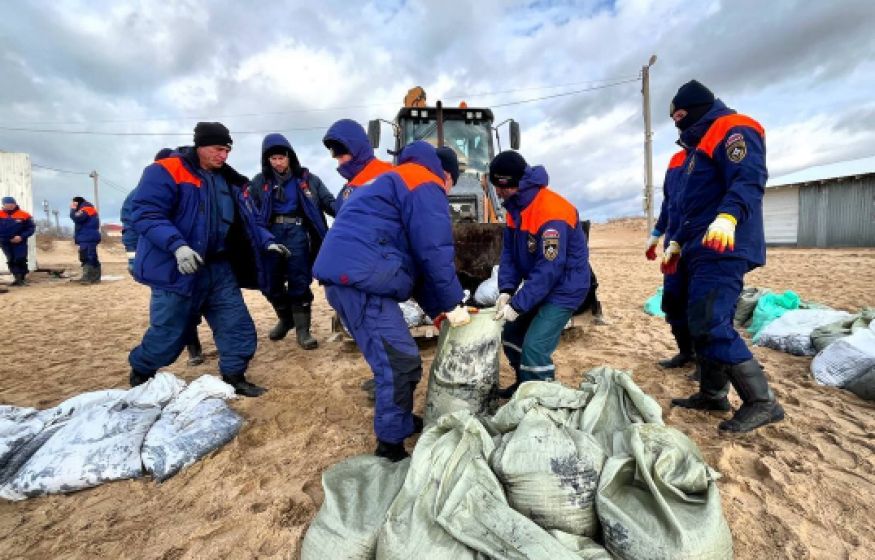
(478, 249)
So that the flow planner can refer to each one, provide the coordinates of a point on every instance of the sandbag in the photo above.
(98, 444)
(452, 507)
(770, 307)
(843, 361)
(486, 293)
(863, 386)
(746, 304)
(792, 331)
(653, 305)
(823, 336)
(658, 500)
(616, 403)
(195, 423)
(464, 373)
(18, 425)
(358, 493)
(550, 469)
(414, 316)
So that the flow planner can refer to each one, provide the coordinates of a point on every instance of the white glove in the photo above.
(507, 313)
(187, 260)
(279, 248)
(501, 302)
(459, 316)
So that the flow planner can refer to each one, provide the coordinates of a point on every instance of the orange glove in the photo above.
(721, 233)
(670, 258)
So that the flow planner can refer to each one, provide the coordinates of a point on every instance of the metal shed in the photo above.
(834, 212)
(15, 181)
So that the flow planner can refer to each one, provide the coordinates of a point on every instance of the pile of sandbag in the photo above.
(557, 473)
(849, 363)
(110, 435)
(747, 302)
(825, 335)
(792, 331)
(769, 307)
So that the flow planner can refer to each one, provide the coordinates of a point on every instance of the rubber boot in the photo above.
(96, 274)
(301, 316)
(195, 352)
(242, 386)
(136, 378)
(713, 388)
(418, 424)
(759, 406)
(392, 451)
(86, 274)
(18, 279)
(508, 392)
(285, 323)
(678, 360)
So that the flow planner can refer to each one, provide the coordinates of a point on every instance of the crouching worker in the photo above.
(199, 244)
(545, 247)
(392, 240)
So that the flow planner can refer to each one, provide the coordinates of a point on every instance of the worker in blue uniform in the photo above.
(16, 227)
(86, 234)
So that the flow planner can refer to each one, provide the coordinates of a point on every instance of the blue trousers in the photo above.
(675, 294)
(292, 276)
(529, 342)
(88, 254)
(16, 256)
(172, 317)
(714, 286)
(379, 330)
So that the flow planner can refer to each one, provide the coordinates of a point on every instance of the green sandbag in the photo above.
(653, 305)
(659, 501)
(770, 307)
(863, 386)
(464, 373)
(747, 302)
(821, 337)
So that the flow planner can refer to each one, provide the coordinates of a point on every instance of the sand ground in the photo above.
(804, 488)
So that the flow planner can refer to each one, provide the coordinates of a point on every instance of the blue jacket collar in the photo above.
(533, 180)
(353, 136)
(274, 140)
(422, 153)
(691, 137)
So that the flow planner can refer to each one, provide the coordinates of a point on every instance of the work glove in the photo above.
(650, 248)
(721, 233)
(279, 248)
(507, 313)
(457, 317)
(501, 301)
(187, 260)
(670, 258)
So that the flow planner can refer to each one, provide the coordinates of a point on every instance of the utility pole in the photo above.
(46, 210)
(93, 175)
(648, 143)
(57, 213)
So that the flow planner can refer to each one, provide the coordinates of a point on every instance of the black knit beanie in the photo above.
(506, 169)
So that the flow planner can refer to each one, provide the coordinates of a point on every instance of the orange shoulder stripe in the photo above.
(89, 210)
(677, 160)
(372, 170)
(717, 132)
(414, 175)
(548, 206)
(178, 171)
(17, 215)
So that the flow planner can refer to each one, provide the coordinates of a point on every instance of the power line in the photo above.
(59, 170)
(565, 94)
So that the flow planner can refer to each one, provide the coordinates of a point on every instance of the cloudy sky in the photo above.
(103, 85)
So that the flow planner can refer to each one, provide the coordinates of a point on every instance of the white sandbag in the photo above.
(550, 471)
(658, 500)
(358, 493)
(616, 403)
(193, 424)
(414, 316)
(845, 360)
(791, 332)
(18, 425)
(96, 444)
(863, 386)
(452, 507)
(464, 373)
(486, 293)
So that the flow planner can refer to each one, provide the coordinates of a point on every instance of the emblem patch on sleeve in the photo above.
(531, 244)
(550, 239)
(736, 149)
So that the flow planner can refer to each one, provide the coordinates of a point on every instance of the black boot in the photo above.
(86, 274)
(759, 406)
(18, 279)
(195, 352)
(137, 378)
(370, 387)
(508, 392)
(392, 451)
(285, 323)
(96, 274)
(243, 387)
(697, 373)
(301, 316)
(713, 388)
(678, 360)
(418, 424)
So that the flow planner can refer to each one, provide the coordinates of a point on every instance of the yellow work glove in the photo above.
(670, 258)
(721, 233)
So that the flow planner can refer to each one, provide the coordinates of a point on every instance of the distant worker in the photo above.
(391, 241)
(86, 234)
(545, 250)
(130, 237)
(674, 291)
(292, 203)
(16, 227)
(349, 145)
(720, 235)
(199, 244)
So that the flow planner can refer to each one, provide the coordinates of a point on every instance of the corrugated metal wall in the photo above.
(15, 181)
(781, 215)
(838, 214)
